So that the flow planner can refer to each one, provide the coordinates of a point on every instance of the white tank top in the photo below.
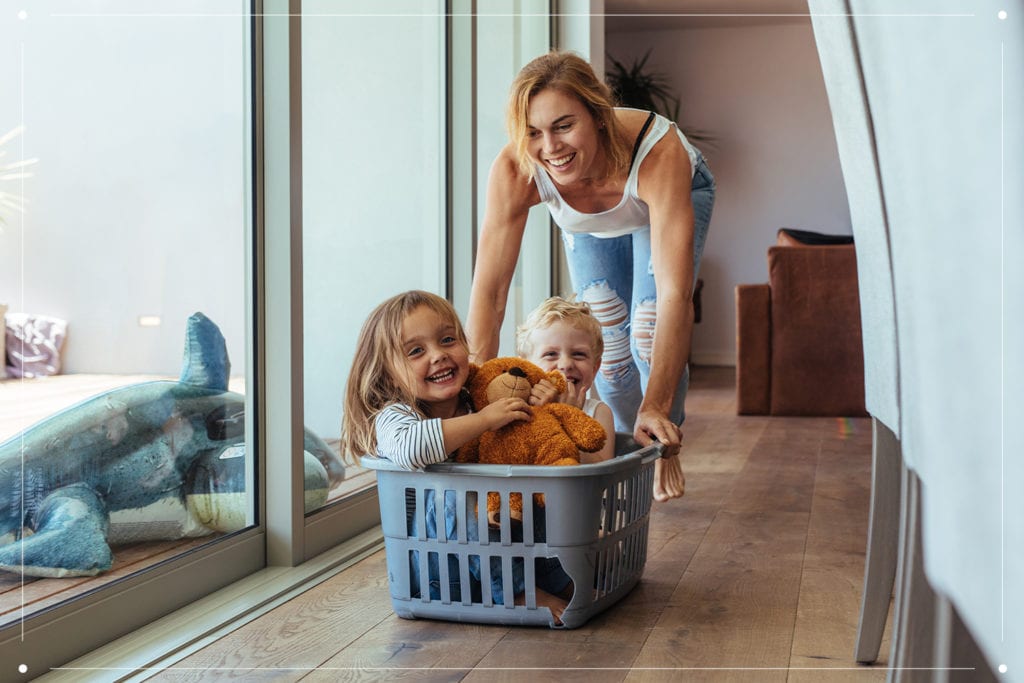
(590, 406)
(631, 213)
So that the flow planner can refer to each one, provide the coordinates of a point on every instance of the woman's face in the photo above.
(563, 137)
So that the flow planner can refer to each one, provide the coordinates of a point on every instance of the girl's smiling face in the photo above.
(437, 361)
(563, 137)
(562, 346)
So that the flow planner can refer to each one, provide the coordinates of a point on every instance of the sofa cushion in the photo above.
(789, 237)
(817, 361)
(753, 349)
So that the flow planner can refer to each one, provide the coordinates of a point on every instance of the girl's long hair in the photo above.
(380, 374)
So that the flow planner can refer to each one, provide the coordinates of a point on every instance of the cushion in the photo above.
(789, 237)
(34, 344)
(817, 360)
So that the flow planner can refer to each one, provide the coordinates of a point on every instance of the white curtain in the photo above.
(943, 83)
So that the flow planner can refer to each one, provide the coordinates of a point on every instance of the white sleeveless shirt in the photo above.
(631, 213)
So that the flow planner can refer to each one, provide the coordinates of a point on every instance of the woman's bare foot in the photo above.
(554, 603)
(669, 481)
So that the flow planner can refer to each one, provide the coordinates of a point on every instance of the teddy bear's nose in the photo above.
(517, 372)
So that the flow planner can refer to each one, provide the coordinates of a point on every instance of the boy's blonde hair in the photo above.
(557, 309)
(380, 373)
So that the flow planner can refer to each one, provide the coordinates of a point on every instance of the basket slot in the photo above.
(621, 507)
(625, 503)
(507, 583)
(464, 580)
(415, 525)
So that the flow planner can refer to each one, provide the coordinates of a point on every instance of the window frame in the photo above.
(282, 535)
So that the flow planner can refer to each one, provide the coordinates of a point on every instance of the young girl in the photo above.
(404, 401)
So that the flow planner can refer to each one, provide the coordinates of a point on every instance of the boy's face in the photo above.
(568, 349)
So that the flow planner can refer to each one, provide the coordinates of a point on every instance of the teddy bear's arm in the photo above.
(469, 451)
(586, 432)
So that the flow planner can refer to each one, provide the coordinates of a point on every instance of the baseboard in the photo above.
(150, 650)
(713, 358)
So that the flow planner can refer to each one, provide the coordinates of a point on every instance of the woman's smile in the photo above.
(561, 162)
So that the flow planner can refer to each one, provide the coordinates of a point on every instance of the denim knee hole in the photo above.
(643, 329)
(613, 314)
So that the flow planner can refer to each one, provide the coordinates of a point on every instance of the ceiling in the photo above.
(635, 15)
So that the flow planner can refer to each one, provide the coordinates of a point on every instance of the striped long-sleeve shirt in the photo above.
(408, 440)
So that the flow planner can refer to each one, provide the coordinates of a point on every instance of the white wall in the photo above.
(759, 90)
(137, 204)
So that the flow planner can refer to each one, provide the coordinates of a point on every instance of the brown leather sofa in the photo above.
(798, 337)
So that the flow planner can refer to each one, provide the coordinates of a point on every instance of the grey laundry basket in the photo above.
(597, 517)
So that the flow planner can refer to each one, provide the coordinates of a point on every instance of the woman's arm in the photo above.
(509, 198)
(664, 183)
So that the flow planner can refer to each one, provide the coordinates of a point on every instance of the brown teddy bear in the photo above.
(555, 435)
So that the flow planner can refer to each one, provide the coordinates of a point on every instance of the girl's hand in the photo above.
(503, 411)
(542, 393)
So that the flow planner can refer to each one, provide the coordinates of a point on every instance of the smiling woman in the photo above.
(633, 198)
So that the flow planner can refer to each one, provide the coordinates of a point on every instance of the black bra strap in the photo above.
(640, 138)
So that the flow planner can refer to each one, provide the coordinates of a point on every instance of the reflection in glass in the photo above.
(135, 218)
(373, 182)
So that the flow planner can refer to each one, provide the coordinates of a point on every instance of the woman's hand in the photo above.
(653, 426)
(503, 411)
(669, 480)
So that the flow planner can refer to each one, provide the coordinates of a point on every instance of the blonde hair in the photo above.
(557, 309)
(380, 373)
(572, 75)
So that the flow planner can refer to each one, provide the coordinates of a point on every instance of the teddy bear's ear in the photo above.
(473, 369)
(556, 378)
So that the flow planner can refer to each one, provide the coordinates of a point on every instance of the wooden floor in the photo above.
(754, 575)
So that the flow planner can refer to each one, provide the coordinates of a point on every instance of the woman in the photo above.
(633, 199)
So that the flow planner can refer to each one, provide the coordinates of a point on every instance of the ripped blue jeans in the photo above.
(614, 275)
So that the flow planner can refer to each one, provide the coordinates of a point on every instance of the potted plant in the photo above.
(639, 88)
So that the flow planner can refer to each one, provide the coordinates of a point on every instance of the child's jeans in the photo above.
(549, 573)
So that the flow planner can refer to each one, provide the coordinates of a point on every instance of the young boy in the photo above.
(565, 336)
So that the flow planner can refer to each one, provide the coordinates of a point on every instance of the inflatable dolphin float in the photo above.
(157, 460)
